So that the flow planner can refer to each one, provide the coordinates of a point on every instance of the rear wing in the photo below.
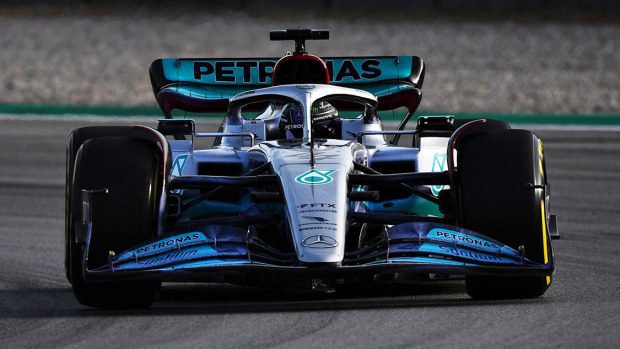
(206, 84)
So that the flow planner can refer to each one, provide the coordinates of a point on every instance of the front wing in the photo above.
(213, 252)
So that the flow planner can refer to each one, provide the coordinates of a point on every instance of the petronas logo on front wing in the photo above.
(314, 177)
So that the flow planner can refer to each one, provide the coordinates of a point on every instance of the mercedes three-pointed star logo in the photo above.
(319, 241)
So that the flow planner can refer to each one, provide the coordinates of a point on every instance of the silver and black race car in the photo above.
(303, 187)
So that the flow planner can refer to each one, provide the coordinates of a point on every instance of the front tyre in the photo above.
(131, 170)
(501, 179)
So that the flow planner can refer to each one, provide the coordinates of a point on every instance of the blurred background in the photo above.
(487, 56)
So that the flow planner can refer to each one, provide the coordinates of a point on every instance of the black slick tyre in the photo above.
(501, 176)
(131, 170)
(74, 142)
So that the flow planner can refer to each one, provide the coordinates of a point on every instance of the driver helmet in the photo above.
(325, 121)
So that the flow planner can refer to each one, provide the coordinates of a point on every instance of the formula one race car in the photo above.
(303, 188)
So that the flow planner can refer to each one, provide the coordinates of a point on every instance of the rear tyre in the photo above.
(495, 169)
(131, 171)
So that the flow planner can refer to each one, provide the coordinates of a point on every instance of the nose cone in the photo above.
(316, 204)
(316, 201)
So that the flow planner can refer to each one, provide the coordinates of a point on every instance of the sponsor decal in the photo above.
(320, 204)
(318, 219)
(319, 241)
(316, 223)
(318, 207)
(319, 228)
(318, 119)
(369, 69)
(457, 252)
(260, 71)
(439, 164)
(293, 126)
(179, 164)
(177, 169)
(169, 242)
(315, 177)
(229, 71)
(427, 260)
(170, 257)
(448, 235)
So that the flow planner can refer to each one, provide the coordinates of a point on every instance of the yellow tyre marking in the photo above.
(544, 236)
(542, 209)
(540, 151)
(544, 226)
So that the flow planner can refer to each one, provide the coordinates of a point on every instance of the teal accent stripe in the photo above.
(548, 119)
(523, 119)
(153, 111)
(78, 110)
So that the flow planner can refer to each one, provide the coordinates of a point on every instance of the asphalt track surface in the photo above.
(581, 309)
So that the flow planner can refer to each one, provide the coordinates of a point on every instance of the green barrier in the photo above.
(155, 112)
